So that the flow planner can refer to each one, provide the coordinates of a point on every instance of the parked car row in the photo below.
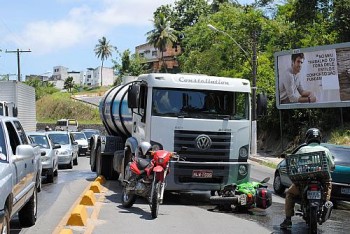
(340, 176)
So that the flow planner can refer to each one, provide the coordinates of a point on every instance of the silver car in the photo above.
(49, 158)
(68, 153)
(82, 142)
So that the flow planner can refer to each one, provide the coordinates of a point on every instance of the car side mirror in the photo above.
(56, 146)
(283, 155)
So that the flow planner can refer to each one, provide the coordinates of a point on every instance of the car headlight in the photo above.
(63, 152)
(44, 159)
(242, 170)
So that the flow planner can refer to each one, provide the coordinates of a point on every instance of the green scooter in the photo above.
(243, 196)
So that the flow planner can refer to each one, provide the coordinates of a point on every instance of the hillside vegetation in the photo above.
(59, 105)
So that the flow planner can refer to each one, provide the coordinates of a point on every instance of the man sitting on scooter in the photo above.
(312, 140)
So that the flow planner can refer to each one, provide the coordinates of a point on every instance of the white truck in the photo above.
(20, 175)
(208, 116)
(18, 100)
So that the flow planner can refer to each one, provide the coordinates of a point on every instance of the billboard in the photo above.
(314, 77)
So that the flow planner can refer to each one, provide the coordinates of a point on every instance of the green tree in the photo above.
(103, 50)
(69, 83)
(162, 35)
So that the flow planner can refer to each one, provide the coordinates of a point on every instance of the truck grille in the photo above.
(218, 151)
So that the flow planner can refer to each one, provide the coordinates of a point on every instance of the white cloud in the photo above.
(87, 22)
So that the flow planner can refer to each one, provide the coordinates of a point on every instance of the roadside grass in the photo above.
(340, 136)
(50, 108)
(269, 164)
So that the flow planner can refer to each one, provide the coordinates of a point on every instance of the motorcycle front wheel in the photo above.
(127, 199)
(155, 200)
(313, 220)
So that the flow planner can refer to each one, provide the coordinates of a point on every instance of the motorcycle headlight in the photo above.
(242, 170)
(161, 160)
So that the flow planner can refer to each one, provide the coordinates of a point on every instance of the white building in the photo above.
(90, 77)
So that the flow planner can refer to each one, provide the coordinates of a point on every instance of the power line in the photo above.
(18, 51)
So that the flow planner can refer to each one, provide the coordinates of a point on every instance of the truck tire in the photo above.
(93, 157)
(28, 214)
(6, 223)
(104, 165)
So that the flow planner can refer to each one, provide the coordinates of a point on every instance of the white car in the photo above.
(49, 158)
(68, 153)
(82, 142)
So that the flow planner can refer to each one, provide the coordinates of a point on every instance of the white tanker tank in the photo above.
(114, 112)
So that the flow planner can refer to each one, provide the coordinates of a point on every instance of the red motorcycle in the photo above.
(145, 177)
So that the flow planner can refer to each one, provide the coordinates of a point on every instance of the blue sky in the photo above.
(65, 32)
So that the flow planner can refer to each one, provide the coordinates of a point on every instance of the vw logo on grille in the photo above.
(203, 142)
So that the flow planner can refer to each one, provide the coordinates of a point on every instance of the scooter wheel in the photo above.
(219, 200)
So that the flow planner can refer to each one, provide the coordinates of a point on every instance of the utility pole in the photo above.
(18, 51)
(254, 74)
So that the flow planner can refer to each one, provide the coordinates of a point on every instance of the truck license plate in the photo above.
(345, 191)
(313, 194)
(202, 174)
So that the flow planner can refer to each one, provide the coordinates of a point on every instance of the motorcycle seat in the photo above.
(142, 163)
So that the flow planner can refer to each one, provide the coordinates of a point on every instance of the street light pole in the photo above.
(253, 62)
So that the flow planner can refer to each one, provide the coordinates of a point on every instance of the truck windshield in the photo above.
(201, 104)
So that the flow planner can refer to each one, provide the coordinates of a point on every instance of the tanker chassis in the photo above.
(205, 118)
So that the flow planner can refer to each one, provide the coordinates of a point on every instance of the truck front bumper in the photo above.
(205, 176)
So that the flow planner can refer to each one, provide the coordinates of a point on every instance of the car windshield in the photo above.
(89, 134)
(40, 140)
(208, 104)
(3, 152)
(61, 139)
(79, 136)
(341, 154)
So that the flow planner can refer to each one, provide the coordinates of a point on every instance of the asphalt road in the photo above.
(180, 213)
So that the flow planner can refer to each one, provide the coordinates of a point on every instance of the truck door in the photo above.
(20, 165)
(139, 119)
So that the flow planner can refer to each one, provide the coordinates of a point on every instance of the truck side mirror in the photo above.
(133, 95)
(15, 111)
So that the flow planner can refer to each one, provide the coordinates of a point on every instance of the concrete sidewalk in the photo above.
(264, 158)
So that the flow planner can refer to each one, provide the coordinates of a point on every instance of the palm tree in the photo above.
(162, 35)
(103, 50)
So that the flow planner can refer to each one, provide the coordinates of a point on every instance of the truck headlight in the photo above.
(243, 152)
(242, 170)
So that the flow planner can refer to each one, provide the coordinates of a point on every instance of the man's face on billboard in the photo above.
(297, 65)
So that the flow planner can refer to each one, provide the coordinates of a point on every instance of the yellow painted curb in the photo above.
(88, 198)
(95, 187)
(78, 217)
(66, 231)
(101, 179)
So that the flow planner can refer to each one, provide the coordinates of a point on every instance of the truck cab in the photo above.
(8, 109)
(208, 116)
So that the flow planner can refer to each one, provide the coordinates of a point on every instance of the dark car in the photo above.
(340, 176)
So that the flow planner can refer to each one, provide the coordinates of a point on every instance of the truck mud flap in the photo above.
(117, 160)
(107, 169)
